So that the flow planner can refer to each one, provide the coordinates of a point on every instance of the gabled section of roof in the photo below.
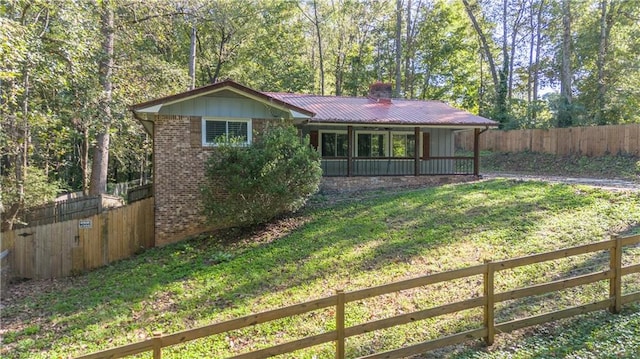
(154, 106)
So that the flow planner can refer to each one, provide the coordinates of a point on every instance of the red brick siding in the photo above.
(178, 173)
(178, 176)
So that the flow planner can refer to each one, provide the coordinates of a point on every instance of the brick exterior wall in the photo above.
(178, 174)
(179, 163)
(354, 184)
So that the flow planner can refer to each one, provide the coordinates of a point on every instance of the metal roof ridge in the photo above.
(315, 95)
(298, 94)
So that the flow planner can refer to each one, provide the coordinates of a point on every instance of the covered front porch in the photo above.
(349, 151)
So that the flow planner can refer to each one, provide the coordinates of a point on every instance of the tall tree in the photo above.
(446, 56)
(100, 165)
(566, 74)
(398, 41)
(533, 70)
(316, 19)
(364, 21)
(499, 78)
(607, 17)
(484, 43)
(410, 47)
(518, 17)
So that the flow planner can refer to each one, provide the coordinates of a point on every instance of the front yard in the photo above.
(350, 245)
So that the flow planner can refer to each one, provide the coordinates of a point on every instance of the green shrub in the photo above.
(247, 185)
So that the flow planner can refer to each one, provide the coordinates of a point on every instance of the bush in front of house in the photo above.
(247, 185)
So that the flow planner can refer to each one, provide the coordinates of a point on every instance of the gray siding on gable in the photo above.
(224, 107)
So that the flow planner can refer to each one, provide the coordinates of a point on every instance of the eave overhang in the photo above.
(458, 126)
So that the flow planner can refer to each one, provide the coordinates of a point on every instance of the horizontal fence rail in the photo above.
(588, 141)
(489, 326)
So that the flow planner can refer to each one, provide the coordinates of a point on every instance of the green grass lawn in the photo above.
(351, 245)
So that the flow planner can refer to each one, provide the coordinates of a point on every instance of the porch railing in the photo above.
(397, 166)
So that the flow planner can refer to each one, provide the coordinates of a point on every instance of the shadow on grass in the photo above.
(569, 297)
(188, 279)
(593, 335)
(506, 211)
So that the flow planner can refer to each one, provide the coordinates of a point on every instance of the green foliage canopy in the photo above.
(50, 51)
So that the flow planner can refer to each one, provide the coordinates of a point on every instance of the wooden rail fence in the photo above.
(488, 328)
(588, 141)
(63, 248)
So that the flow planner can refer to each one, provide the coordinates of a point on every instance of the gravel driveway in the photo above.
(609, 184)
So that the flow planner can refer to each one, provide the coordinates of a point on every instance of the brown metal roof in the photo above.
(337, 109)
(342, 109)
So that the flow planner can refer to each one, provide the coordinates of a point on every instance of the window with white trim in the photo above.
(334, 144)
(403, 145)
(372, 144)
(222, 130)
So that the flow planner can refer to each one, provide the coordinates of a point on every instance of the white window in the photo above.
(403, 144)
(222, 130)
(371, 144)
(334, 144)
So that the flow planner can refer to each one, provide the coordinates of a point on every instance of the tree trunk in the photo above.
(606, 22)
(410, 51)
(501, 101)
(84, 161)
(536, 72)
(505, 47)
(338, 72)
(408, 78)
(100, 163)
(316, 24)
(564, 114)
(213, 78)
(483, 43)
(192, 59)
(514, 37)
(530, 69)
(398, 47)
(340, 58)
(23, 148)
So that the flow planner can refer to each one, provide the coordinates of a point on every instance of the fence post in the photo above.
(157, 345)
(615, 280)
(340, 324)
(489, 320)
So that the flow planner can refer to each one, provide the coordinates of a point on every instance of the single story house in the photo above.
(363, 141)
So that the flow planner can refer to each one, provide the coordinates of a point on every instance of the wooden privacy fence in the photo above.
(140, 193)
(588, 141)
(487, 328)
(61, 249)
(74, 208)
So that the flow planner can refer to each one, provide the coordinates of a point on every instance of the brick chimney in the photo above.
(380, 92)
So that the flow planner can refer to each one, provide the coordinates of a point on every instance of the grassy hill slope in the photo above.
(356, 244)
(619, 167)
